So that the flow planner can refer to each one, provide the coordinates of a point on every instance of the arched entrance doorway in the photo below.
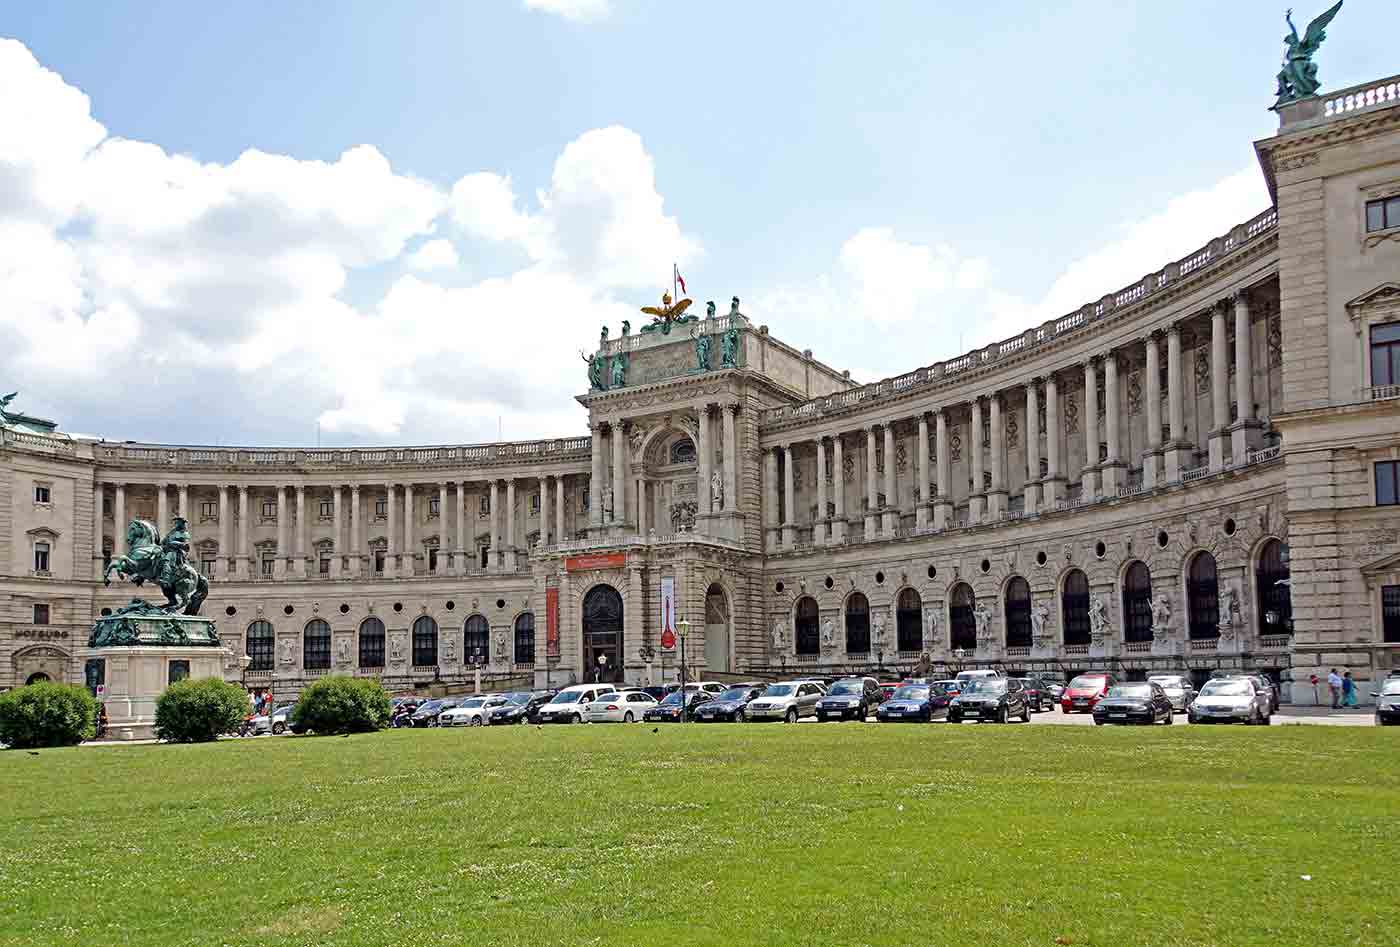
(38, 677)
(716, 629)
(602, 634)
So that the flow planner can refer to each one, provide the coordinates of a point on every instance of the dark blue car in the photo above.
(914, 703)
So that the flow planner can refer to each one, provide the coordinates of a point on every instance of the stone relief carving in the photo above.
(683, 514)
(848, 468)
(502, 656)
(931, 627)
(901, 457)
(396, 655)
(449, 650)
(1013, 427)
(955, 445)
(828, 635)
(982, 615)
(1071, 414)
(779, 635)
(288, 648)
(1040, 619)
(1162, 614)
(1229, 609)
(1202, 371)
(1275, 341)
(1134, 394)
(877, 630)
(342, 651)
(1098, 618)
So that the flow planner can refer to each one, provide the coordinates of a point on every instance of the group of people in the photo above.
(1343, 689)
(259, 702)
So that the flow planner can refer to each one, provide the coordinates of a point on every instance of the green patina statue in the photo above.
(595, 370)
(729, 348)
(5, 403)
(1298, 77)
(702, 352)
(619, 370)
(161, 561)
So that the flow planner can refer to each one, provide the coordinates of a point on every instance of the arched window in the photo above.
(476, 639)
(1271, 579)
(683, 451)
(808, 636)
(1137, 603)
(1202, 604)
(316, 645)
(259, 643)
(425, 634)
(909, 621)
(857, 624)
(1074, 607)
(1018, 613)
(961, 622)
(525, 638)
(371, 643)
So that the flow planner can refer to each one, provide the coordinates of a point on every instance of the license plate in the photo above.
(972, 713)
(1119, 716)
(1080, 703)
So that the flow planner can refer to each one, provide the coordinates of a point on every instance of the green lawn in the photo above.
(836, 835)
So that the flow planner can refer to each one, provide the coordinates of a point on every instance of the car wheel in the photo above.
(477, 721)
(575, 719)
(740, 716)
(1001, 714)
(1098, 722)
(627, 717)
(1025, 713)
(279, 728)
(1170, 717)
(791, 716)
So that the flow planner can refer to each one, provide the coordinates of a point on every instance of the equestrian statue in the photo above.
(164, 562)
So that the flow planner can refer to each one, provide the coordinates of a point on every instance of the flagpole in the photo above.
(675, 295)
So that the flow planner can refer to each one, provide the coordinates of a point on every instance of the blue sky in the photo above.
(923, 167)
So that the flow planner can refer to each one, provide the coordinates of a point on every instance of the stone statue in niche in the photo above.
(877, 630)
(1229, 607)
(717, 489)
(779, 632)
(449, 650)
(342, 655)
(1098, 617)
(931, 616)
(982, 615)
(1162, 614)
(1040, 616)
(828, 635)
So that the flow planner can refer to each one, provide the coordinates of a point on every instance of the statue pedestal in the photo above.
(137, 675)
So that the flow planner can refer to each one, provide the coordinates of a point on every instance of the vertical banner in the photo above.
(668, 613)
(551, 619)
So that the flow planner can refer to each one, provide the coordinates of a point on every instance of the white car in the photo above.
(618, 707)
(567, 705)
(276, 722)
(472, 712)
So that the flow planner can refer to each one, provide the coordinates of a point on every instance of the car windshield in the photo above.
(430, 705)
(987, 687)
(1227, 688)
(1391, 688)
(1130, 690)
(846, 687)
(734, 693)
(518, 697)
(780, 690)
(911, 692)
(1087, 682)
(1167, 683)
(568, 697)
(473, 702)
(610, 695)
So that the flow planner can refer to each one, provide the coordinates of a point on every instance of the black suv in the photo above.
(851, 697)
(997, 699)
(520, 707)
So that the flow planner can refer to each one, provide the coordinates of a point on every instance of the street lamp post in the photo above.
(647, 653)
(602, 669)
(683, 631)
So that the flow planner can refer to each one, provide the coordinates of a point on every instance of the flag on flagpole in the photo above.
(676, 274)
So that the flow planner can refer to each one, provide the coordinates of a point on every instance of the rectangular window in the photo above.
(206, 567)
(327, 508)
(208, 510)
(1385, 355)
(485, 504)
(1382, 214)
(381, 506)
(432, 560)
(42, 494)
(379, 562)
(1390, 613)
(534, 503)
(269, 510)
(325, 565)
(1387, 487)
(41, 557)
(267, 565)
(584, 502)
(41, 614)
(434, 506)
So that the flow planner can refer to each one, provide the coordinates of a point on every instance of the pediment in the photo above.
(1390, 563)
(1383, 298)
(43, 532)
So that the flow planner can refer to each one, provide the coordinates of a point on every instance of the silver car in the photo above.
(1229, 700)
(786, 701)
(1178, 688)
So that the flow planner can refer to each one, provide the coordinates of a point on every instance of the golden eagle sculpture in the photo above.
(667, 314)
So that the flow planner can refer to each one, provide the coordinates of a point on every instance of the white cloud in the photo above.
(434, 255)
(582, 11)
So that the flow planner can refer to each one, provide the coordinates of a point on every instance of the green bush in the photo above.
(341, 704)
(198, 711)
(47, 715)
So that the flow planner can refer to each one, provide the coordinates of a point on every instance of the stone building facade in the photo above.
(1196, 471)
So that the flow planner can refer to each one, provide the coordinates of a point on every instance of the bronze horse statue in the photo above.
(163, 563)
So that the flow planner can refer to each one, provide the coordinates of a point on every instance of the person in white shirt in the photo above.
(1334, 684)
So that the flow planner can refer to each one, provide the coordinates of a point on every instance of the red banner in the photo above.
(602, 560)
(551, 623)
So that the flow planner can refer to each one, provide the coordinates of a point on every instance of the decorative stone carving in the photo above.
(396, 650)
(779, 635)
(877, 630)
(1162, 614)
(1040, 620)
(342, 651)
(1229, 609)
(1071, 415)
(1013, 428)
(848, 468)
(717, 490)
(1098, 618)
(955, 445)
(288, 649)
(502, 657)
(931, 626)
(982, 615)
(683, 514)
(901, 457)
(1275, 341)
(1134, 394)
(1202, 371)
(828, 635)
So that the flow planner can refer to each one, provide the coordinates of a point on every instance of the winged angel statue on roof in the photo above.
(1298, 77)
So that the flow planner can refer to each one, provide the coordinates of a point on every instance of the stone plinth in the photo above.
(138, 674)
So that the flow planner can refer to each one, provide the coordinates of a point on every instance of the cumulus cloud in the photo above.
(582, 11)
(434, 255)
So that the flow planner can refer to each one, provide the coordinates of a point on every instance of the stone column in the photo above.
(595, 483)
(921, 495)
(790, 500)
(1088, 476)
(730, 447)
(279, 566)
(641, 487)
(1152, 457)
(619, 477)
(771, 521)
(301, 532)
(226, 551)
(162, 508)
(977, 498)
(494, 500)
(871, 484)
(996, 500)
(409, 564)
(1054, 475)
(510, 514)
(838, 480)
(357, 548)
(1244, 433)
(1113, 469)
(119, 522)
(337, 531)
(704, 454)
(943, 499)
(459, 540)
(1177, 454)
(890, 515)
(819, 524)
(1219, 393)
(183, 500)
(559, 532)
(1032, 448)
(97, 529)
(391, 519)
(245, 549)
(544, 512)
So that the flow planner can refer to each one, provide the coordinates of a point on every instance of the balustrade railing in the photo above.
(1194, 474)
(1204, 644)
(1382, 392)
(1137, 647)
(1369, 95)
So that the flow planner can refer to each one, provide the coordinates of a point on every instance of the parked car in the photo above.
(914, 702)
(787, 701)
(1229, 700)
(887, 688)
(659, 691)
(520, 707)
(951, 686)
(1178, 688)
(1056, 690)
(853, 697)
(1133, 702)
(567, 705)
(1037, 694)
(709, 687)
(401, 715)
(992, 699)
(670, 709)
(472, 712)
(275, 722)
(978, 674)
(1388, 703)
(731, 705)
(1260, 681)
(628, 706)
(427, 712)
(1084, 692)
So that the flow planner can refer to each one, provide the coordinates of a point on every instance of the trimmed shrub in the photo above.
(341, 704)
(192, 711)
(47, 714)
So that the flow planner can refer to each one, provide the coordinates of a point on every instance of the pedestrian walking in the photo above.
(1348, 690)
(1334, 684)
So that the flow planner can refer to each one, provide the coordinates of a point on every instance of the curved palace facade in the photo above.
(1196, 471)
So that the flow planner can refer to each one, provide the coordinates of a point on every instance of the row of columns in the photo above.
(1164, 460)
(240, 560)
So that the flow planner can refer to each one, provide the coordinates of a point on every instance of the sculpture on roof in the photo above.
(619, 370)
(595, 370)
(729, 348)
(5, 403)
(702, 352)
(666, 315)
(1298, 77)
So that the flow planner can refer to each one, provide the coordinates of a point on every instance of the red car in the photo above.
(1086, 690)
(889, 687)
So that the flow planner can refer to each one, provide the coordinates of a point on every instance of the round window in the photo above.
(1162, 539)
(1100, 550)
(986, 566)
(1040, 558)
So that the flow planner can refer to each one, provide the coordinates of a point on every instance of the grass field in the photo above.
(835, 835)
